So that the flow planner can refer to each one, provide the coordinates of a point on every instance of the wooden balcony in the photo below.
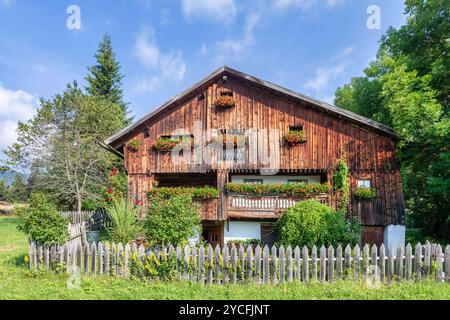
(264, 207)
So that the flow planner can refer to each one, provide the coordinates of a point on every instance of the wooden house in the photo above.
(238, 129)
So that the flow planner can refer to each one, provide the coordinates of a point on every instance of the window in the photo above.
(253, 181)
(226, 93)
(363, 184)
(146, 133)
(295, 128)
(298, 181)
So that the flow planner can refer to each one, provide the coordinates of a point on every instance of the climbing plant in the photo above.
(341, 185)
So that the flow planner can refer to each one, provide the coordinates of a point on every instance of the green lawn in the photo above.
(16, 282)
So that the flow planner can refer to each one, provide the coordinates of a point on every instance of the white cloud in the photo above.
(237, 48)
(14, 106)
(222, 10)
(324, 75)
(168, 66)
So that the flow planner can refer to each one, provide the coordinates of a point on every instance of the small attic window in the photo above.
(201, 97)
(146, 133)
(295, 128)
(226, 93)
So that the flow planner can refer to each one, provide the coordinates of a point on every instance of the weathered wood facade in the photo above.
(270, 111)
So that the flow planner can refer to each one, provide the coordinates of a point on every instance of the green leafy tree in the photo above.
(408, 88)
(104, 78)
(173, 220)
(41, 221)
(61, 142)
(18, 190)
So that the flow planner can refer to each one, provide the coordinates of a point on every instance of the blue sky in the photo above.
(310, 46)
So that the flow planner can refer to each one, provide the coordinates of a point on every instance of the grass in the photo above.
(17, 282)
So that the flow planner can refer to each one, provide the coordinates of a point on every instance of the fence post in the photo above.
(427, 259)
(217, 264)
(106, 250)
(79, 257)
(113, 270)
(418, 261)
(187, 251)
(330, 264)
(201, 264)
(233, 264)
(126, 262)
(348, 261)
(447, 263)
(382, 263)
(32, 255)
(289, 264)
(39, 255)
(119, 259)
(323, 265)
(194, 270)
(266, 264)
(258, 264)
(226, 262)
(356, 263)
(408, 262)
(297, 270)
(391, 263)
(100, 258)
(93, 258)
(209, 259)
(249, 262)
(46, 258)
(439, 261)
(365, 267)
(339, 262)
(314, 263)
(281, 263)
(400, 273)
(305, 265)
(374, 262)
(273, 264)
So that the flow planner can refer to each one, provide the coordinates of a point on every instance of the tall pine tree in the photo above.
(18, 190)
(104, 78)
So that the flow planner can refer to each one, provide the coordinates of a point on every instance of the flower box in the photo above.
(364, 193)
(295, 137)
(225, 102)
(168, 144)
(134, 145)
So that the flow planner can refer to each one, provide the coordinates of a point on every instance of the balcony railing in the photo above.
(268, 203)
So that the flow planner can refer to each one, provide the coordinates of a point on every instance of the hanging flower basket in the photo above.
(134, 145)
(225, 102)
(295, 137)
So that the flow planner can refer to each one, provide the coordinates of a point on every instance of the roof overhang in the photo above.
(117, 140)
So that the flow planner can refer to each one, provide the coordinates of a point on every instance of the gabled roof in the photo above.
(328, 108)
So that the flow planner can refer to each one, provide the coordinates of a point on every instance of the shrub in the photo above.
(290, 189)
(312, 223)
(197, 193)
(172, 220)
(244, 242)
(41, 221)
(124, 218)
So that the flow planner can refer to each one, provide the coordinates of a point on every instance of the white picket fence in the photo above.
(248, 264)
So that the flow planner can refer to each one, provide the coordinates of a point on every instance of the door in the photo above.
(213, 235)
(372, 235)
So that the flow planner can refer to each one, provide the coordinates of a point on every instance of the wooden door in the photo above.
(372, 235)
(214, 235)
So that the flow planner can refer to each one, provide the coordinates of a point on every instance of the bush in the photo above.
(41, 221)
(124, 218)
(312, 223)
(245, 242)
(173, 220)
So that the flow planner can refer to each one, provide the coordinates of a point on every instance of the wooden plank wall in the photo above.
(369, 154)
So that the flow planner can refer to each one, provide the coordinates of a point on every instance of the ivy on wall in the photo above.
(341, 185)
